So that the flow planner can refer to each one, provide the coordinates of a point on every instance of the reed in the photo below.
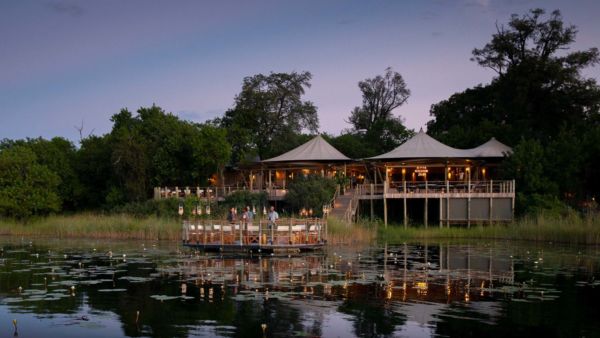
(572, 229)
(339, 232)
(90, 225)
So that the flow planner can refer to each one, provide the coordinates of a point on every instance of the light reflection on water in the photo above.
(96, 288)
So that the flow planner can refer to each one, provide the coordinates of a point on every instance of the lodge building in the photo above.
(421, 181)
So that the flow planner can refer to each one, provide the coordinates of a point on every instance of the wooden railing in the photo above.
(212, 192)
(286, 231)
(438, 187)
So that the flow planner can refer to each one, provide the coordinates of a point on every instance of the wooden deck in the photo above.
(303, 234)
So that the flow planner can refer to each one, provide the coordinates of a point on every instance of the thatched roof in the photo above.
(316, 149)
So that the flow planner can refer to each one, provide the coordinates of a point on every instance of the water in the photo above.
(157, 289)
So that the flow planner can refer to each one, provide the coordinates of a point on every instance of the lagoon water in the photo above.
(98, 288)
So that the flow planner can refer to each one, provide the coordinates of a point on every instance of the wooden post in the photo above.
(385, 218)
(441, 213)
(290, 230)
(251, 181)
(371, 199)
(469, 200)
(447, 201)
(284, 178)
(426, 206)
(491, 201)
(405, 211)
(512, 190)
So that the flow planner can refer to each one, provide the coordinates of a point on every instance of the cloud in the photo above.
(66, 8)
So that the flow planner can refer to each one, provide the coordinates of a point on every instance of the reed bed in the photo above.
(339, 232)
(572, 229)
(89, 225)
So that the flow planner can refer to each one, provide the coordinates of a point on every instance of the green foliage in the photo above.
(352, 144)
(93, 167)
(59, 156)
(269, 108)
(155, 148)
(165, 208)
(26, 187)
(243, 198)
(310, 192)
(539, 94)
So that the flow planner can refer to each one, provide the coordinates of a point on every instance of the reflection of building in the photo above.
(439, 273)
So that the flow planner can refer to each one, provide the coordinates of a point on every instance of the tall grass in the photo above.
(91, 225)
(339, 232)
(571, 228)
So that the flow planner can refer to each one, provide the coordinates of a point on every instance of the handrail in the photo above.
(351, 209)
(286, 231)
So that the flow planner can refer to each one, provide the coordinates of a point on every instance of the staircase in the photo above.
(344, 206)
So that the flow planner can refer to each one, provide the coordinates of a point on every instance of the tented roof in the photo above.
(423, 146)
(316, 149)
(492, 148)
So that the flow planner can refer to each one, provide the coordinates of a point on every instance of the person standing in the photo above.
(272, 217)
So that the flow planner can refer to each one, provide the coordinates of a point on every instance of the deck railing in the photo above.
(212, 192)
(438, 187)
(285, 232)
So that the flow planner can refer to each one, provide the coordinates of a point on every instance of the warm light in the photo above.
(449, 174)
(468, 169)
(403, 171)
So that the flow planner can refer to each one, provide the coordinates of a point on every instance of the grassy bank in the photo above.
(571, 229)
(342, 233)
(89, 225)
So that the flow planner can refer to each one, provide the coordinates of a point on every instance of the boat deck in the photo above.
(304, 234)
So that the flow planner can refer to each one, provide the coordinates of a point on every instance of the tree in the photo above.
(268, 108)
(381, 95)
(155, 148)
(538, 97)
(26, 187)
(310, 192)
(94, 170)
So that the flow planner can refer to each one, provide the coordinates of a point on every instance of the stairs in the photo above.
(344, 206)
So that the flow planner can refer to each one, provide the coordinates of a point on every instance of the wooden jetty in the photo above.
(286, 235)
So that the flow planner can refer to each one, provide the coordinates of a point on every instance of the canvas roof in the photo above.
(423, 146)
(316, 149)
(492, 148)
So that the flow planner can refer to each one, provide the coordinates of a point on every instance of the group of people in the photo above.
(248, 216)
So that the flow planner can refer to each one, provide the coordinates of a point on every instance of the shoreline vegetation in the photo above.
(569, 229)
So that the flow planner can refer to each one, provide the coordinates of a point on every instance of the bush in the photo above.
(243, 198)
(311, 192)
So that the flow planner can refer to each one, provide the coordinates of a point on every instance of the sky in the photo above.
(66, 65)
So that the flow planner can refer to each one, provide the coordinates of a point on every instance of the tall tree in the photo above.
(269, 107)
(381, 95)
(538, 96)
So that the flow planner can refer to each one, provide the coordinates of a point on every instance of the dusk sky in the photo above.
(64, 62)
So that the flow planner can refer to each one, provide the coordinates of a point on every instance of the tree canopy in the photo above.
(381, 95)
(539, 103)
(26, 187)
(268, 109)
